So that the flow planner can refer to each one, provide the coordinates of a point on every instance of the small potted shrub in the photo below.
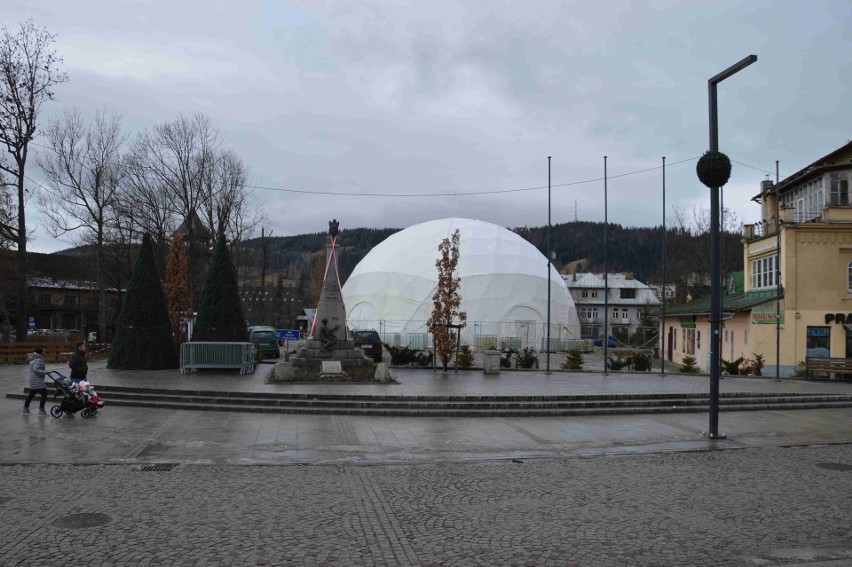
(527, 358)
(465, 357)
(573, 360)
(688, 366)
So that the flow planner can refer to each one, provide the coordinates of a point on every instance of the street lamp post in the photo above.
(715, 245)
(549, 254)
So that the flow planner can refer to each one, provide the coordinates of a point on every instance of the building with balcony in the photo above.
(629, 302)
(802, 247)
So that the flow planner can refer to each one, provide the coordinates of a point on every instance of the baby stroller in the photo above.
(76, 396)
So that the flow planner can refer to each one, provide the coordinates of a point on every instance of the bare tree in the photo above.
(84, 171)
(29, 70)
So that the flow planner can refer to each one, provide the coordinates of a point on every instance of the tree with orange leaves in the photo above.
(178, 288)
(446, 300)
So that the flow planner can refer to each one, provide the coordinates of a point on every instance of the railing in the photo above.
(505, 335)
(195, 355)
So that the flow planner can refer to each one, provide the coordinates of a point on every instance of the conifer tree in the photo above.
(220, 315)
(178, 288)
(446, 300)
(143, 340)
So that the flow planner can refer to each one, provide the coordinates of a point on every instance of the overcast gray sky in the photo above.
(436, 97)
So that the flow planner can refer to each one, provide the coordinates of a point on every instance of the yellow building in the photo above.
(813, 227)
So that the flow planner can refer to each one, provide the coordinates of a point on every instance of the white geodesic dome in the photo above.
(503, 285)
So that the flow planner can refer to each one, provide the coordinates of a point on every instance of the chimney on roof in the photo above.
(628, 275)
(766, 185)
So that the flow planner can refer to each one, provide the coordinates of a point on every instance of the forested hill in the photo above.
(631, 249)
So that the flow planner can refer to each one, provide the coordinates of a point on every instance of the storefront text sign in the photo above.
(765, 317)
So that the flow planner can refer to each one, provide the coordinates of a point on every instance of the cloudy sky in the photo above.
(327, 100)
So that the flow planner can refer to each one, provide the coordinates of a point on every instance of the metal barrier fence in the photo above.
(504, 335)
(195, 355)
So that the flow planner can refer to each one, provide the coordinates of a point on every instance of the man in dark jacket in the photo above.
(77, 362)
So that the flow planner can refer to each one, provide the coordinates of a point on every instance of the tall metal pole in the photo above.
(547, 371)
(777, 277)
(606, 278)
(662, 331)
(715, 275)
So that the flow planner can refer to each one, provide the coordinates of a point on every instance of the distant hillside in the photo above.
(631, 249)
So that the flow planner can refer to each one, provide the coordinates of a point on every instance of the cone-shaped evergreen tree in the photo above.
(144, 337)
(220, 315)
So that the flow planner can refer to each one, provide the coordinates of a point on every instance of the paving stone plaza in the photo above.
(139, 486)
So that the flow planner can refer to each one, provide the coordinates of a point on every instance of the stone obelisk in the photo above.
(328, 353)
(330, 320)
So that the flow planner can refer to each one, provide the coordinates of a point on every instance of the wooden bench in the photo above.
(819, 365)
(16, 353)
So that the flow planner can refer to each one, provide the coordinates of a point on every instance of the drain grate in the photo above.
(835, 466)
(157, 468)
(79, 521)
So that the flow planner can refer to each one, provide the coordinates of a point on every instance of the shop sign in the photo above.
(687, 322)
(819, 331)
(839, 318)
(766, 317)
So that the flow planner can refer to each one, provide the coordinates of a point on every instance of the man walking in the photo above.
(77, 362)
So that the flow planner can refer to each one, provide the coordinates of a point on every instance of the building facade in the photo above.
(803, 247)
(629, 302)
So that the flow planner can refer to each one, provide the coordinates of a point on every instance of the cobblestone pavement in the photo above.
(752, 507)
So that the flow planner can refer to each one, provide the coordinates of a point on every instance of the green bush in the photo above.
(573, 360)
(465, 357)
(401, 356)
(732, 368)
(801, 370)
(617, 363)
(527, 358)
(688, 366)
(641, 361)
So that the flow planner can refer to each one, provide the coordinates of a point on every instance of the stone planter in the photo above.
(491, 361)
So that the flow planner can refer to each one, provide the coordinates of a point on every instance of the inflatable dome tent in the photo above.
(503, 286)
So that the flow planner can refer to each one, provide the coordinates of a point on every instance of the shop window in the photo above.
(818, 342)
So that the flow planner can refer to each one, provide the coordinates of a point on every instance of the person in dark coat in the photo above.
(77, 362)
(36, 381)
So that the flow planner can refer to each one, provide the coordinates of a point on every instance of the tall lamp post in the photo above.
(549, 255)
(715, 246)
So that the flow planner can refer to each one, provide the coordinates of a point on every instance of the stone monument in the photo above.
(328, 352)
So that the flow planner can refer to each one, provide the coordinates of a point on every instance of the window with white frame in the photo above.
(593, 294)
(839, 189)
(807, 200)
(849, 278)
(584, 293)
(763, 273)
(589, 313)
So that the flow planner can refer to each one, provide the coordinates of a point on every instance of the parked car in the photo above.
(265, 341)
(370, 342)
(611, 342)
